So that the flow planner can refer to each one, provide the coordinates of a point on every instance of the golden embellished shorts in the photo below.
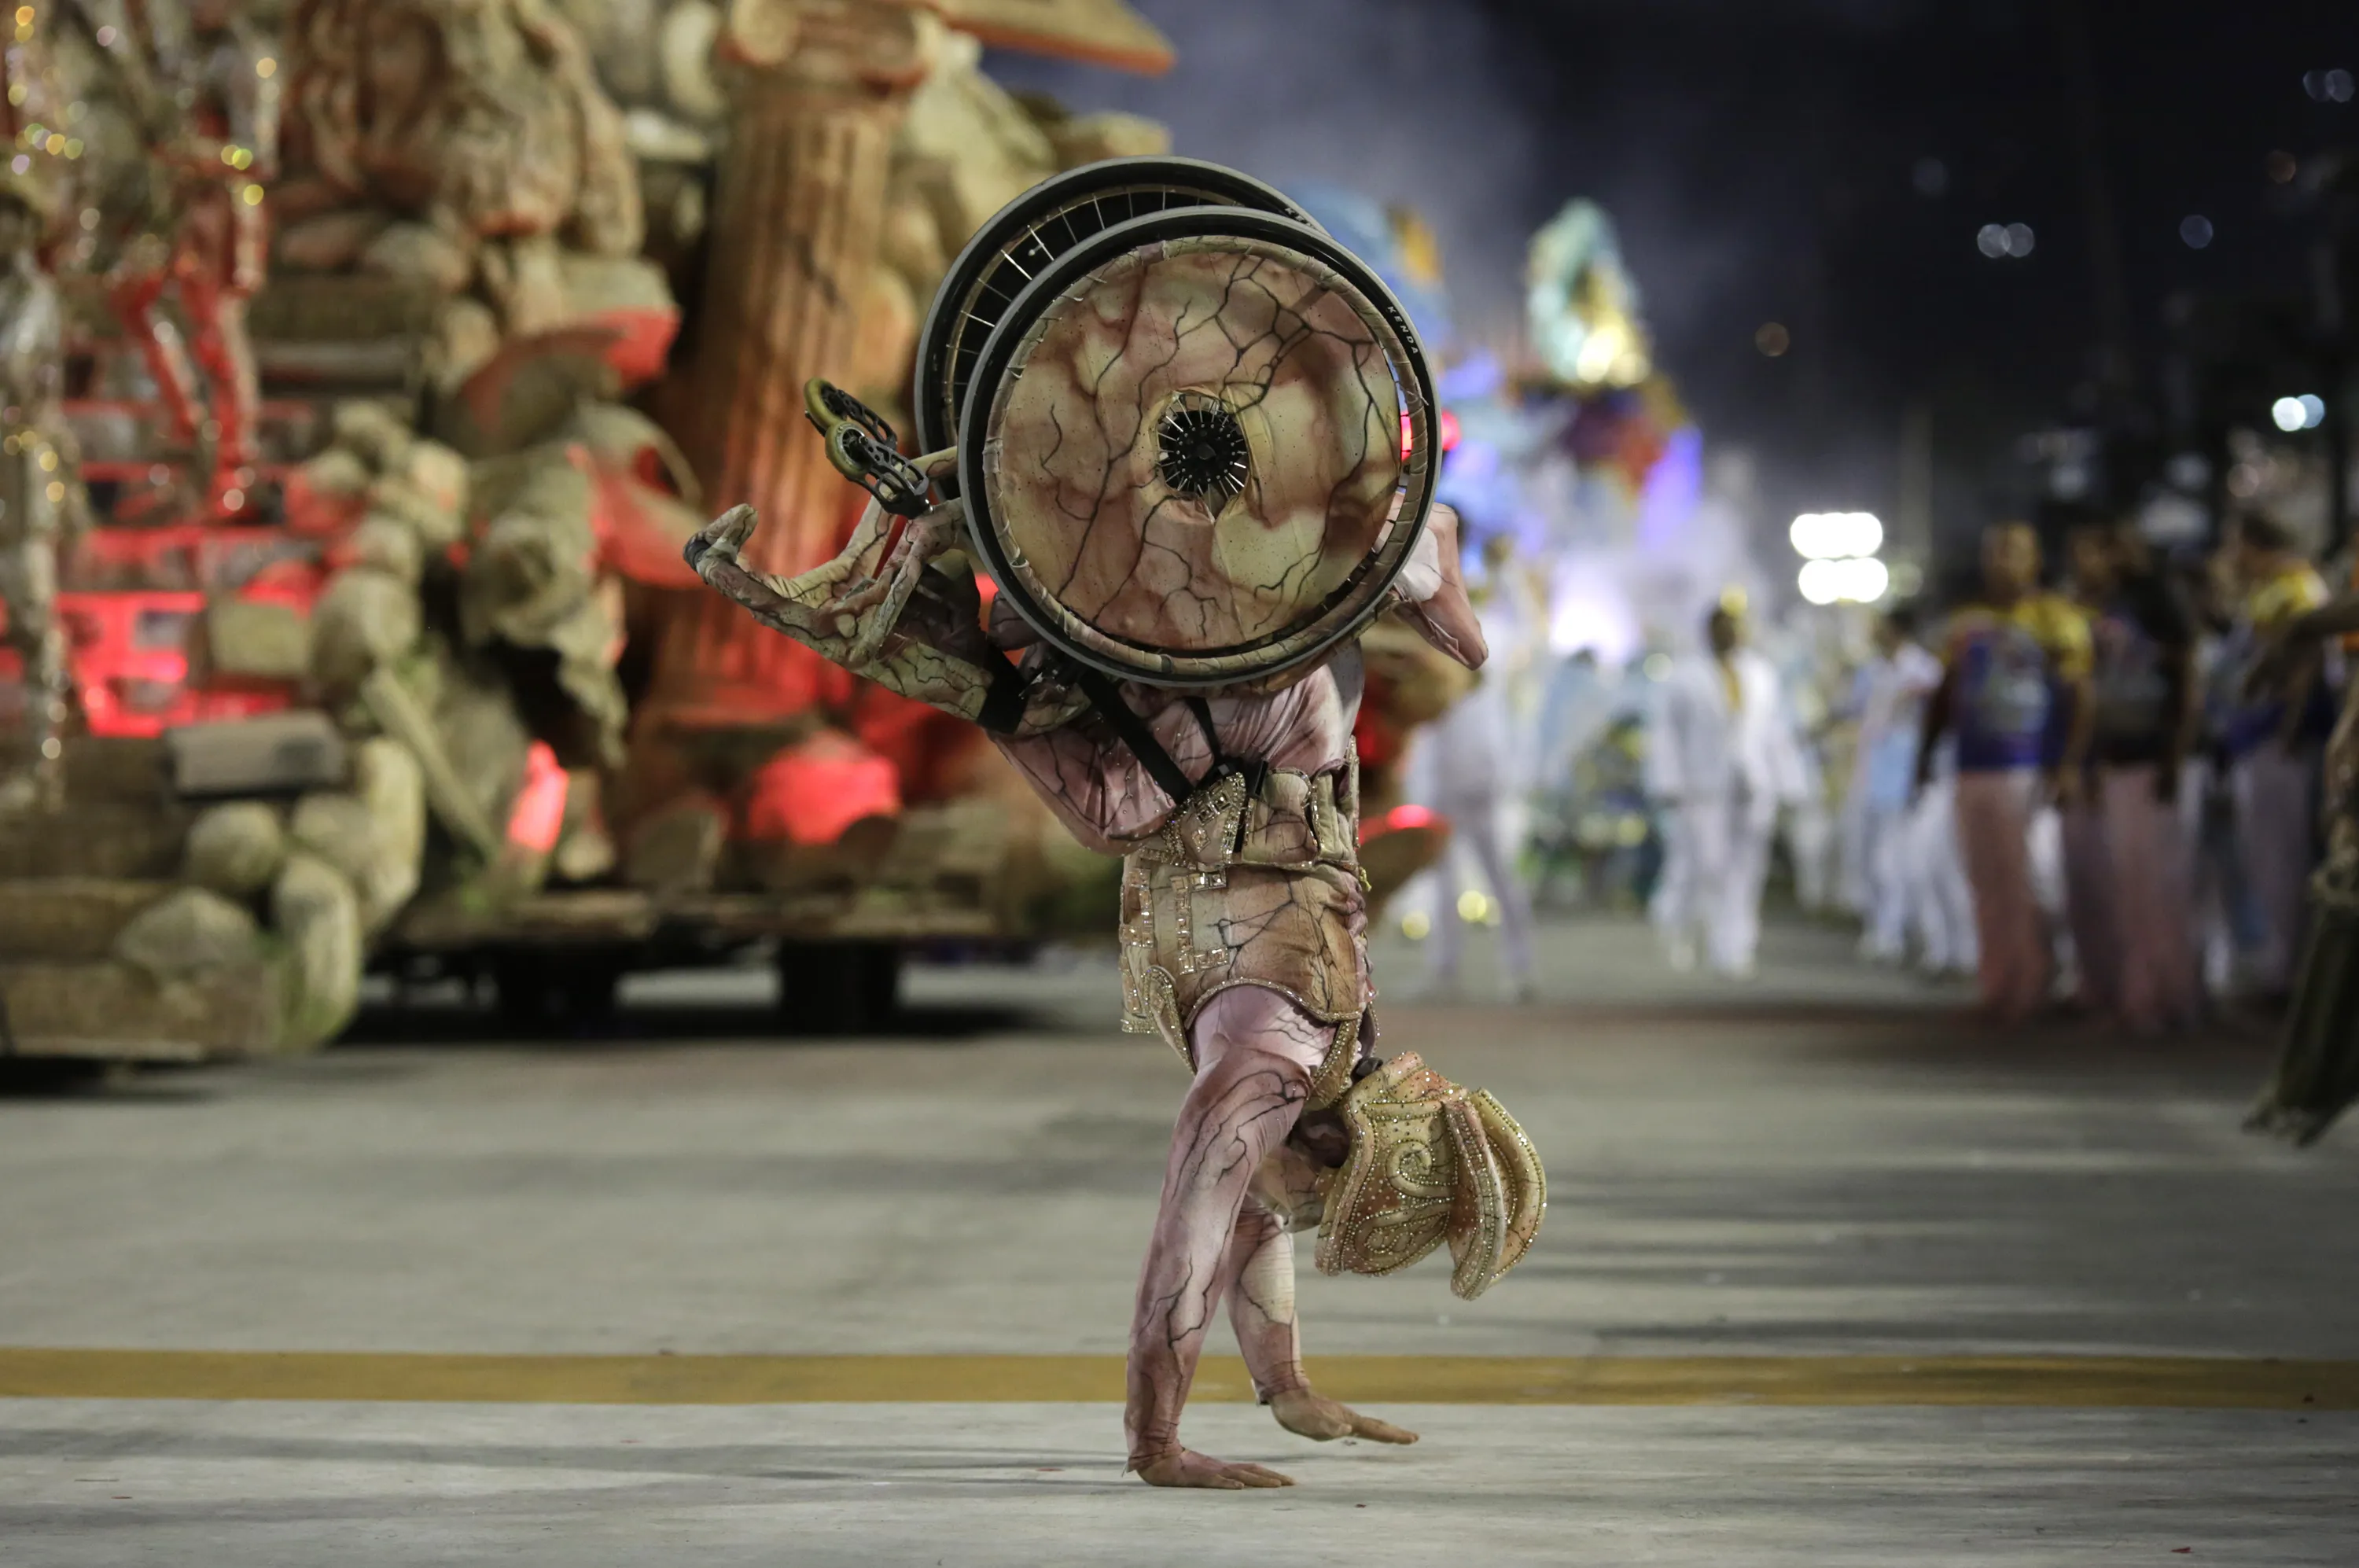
(1265, 889)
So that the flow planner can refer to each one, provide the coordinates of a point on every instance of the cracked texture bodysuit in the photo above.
(1243, 930)
(1254, 879)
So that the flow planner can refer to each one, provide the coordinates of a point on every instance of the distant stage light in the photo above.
(1931, 176)
(1826, 536)
(2282, 166)
(1773, 339)
(2288, 413)
(2195, 230)
(1859, 580)
(2314, 410)
(2018, 239)
(1991, 240)
(1865, 581)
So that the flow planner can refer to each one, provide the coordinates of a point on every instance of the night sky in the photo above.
(1777, 160)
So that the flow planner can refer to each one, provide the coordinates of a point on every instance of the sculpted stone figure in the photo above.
(207, 96)
(41, 499)
(463, 143)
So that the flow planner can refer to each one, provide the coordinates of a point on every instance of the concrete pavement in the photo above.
(1821, 1166)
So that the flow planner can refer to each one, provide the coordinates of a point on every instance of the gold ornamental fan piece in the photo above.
(1430, 1163)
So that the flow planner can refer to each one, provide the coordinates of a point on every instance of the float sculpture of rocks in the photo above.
(466, 146)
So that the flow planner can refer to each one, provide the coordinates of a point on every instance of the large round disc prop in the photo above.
(1198, 446)
(1025, 236)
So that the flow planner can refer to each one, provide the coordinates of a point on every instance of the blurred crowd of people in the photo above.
(2092, 782)
(2102, 790)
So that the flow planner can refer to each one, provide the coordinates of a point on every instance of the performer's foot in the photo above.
(1322, 1419)
(1187, 1468)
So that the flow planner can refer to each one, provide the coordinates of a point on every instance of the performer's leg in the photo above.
(1445, 882)
(1883, 850)
(2200, 824)
(1955, 892)
(2089, 906)
(1855, 851)
(2274, 813)
(1492, 853)
(1255, 1054)
(1929, 834)
(1736, 902)
(2152, 902)
(1258, 1277)
(1994, 829)
(1673, 906)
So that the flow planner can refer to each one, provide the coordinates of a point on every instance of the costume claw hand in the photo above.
(1187, 1468)
(922, 541)
(1322, 1419)
(720, 541)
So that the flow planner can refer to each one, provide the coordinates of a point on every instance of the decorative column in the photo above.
(816, 91)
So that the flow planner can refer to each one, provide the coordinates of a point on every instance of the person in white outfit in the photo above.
(1463, 769)
(1941, 909)
(1721, 759)
(1468, 766)
(1892, 716)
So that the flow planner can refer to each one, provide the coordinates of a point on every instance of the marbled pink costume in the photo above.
(1243, 919)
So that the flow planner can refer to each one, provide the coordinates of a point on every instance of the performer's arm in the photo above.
(875, 610)
(1433, 592)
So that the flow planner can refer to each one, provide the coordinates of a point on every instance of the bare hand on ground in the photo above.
(1323, 1419)
(1188, 1468)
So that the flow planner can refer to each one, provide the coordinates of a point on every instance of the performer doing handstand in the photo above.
(1238, 805)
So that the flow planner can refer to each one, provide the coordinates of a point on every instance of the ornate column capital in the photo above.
(884, 45)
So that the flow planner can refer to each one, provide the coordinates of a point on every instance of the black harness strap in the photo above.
(1255, 771)
(1132, 731)
(1003, 705)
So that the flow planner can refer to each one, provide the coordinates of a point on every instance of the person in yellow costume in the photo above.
(2272, 740)
(2015, 690)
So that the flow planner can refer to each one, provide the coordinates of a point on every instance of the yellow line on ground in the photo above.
(2083, 1381)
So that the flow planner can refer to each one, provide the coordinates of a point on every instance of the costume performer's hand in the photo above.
(723, 537)
(1323, 1419)
(1188, 1468)
(924, 539)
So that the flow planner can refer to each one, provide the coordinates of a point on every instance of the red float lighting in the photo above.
(1448, 426)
